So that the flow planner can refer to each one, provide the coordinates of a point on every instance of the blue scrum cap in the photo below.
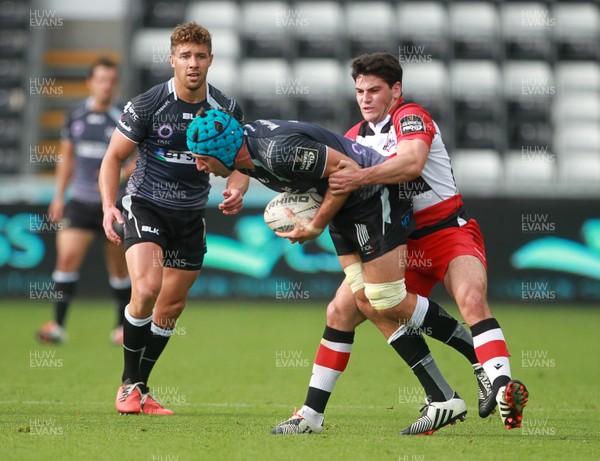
(217, 134)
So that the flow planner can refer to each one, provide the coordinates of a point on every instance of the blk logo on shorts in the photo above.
(150, 230)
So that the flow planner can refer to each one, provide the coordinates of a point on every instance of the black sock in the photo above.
(157, 341)
(64, 294)
(135, 340)
(413, 349)
(440, 325)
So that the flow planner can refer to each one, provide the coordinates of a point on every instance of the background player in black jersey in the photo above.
(85, 137)
(368, 227)
(165, 236)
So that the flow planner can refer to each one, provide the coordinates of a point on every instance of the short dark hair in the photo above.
(383, 65)
(190, 32)
(103, 61)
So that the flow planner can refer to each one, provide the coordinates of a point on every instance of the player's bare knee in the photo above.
(343, 317)
(473, 305)
(145, 292)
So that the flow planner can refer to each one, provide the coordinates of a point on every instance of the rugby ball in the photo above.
(119, 230)
(303, 205)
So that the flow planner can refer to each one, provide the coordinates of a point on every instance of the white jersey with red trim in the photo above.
(436, 185)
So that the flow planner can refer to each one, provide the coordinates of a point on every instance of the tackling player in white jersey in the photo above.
(445, 234)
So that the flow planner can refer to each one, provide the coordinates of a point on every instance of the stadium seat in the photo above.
(476, 87)
(528, 88)
(577, 139)
(523, 132)
(475, 30)
(477, 134)
(152, 48)
(10, 161)
(529, 173)
(225, 43)
(423, 29)
(159, 13)
(263, 84)
(265, 29)
(224, 75)
(577, 76)
(577, 30)
(580, 172)
(370, 27)
(214, 14)
(14, 14)
(428, 84)
(575, 108)
(525, 32)
(477, 170)
(318, 33)
(12, 100)
(10, 131)
(12, 72)
(154, 76)
(319, 84)
(13, 43)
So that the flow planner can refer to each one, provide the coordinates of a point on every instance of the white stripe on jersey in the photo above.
(171, 87)
(437, 171)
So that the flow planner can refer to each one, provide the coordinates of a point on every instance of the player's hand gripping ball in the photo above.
(303, 207)
(119, 229)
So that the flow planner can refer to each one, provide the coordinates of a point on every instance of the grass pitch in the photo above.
(234, 370)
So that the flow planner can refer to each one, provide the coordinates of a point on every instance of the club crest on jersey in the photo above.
(410, 124)
(305, 159)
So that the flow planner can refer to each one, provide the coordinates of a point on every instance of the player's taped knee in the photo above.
(354, 277)
(385, 295)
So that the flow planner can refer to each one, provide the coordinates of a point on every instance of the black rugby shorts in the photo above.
(374, 226)
(180, 233)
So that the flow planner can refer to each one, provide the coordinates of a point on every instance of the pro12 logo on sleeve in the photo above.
(305, 159)
(410, 124)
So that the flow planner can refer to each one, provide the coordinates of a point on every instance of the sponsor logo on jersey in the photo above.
(131, 111)
(175, 156)
(305, 159)
(91, 149)
(123, 124)
(359, 149)
(96, 119)
(165, 131)
(77, 128)
(412, 124)
(161, 108)
(188, 116)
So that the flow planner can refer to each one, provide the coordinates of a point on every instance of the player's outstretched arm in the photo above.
(405, 166)
(119, 149)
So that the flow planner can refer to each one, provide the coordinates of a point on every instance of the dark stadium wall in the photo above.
(538, 251)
